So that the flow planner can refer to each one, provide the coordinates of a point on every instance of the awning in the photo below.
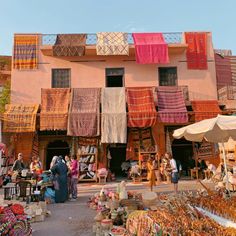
(197, 50)
(171, 105)
(150, 48)
(84, 112)
(114, 118)
(20, 118)
(141, 107)
(112, 43)
(70, 45)
(25, 53)
(223, 71)
(205, 109)
(54, 108)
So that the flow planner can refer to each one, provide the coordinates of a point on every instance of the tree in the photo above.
(5, 96)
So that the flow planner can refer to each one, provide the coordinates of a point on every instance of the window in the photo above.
(60, 78)
(167, 76)
(114, 77)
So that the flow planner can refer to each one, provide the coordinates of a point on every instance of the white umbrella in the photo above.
(215, 130)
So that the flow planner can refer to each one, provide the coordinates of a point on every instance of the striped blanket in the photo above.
(25, 54)
(84, 112)
(54, 110)
(205, 109)
(69, 45)
(114, 120)
(20, 118)
(171, 105)
(141, 107)
(223, 71)
(112, 43)
(197, 50)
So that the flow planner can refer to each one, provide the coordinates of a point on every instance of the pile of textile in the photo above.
(13, 221)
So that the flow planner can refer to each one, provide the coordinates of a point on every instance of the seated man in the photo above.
(18, 164)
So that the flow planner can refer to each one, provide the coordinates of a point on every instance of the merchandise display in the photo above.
(87, 156)
(151, 214)
(14, 221)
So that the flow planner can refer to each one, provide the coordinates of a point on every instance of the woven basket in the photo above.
(131, 204)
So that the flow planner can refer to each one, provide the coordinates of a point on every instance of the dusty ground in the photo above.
(76, 219)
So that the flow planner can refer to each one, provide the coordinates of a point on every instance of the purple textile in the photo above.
(171, 105)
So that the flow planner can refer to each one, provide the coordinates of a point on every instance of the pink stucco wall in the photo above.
(26, 85)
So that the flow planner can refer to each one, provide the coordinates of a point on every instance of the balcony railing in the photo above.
(170, 38)
(227, 93)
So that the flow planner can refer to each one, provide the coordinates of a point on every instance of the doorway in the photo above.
(183, 152)
(56, 148)
(118, 156)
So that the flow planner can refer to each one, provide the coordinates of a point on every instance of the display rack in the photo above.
(147, 148)
(87, 155)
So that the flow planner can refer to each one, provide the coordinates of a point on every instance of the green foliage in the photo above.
(5, 96)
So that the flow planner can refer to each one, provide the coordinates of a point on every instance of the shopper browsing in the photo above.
(174, 172)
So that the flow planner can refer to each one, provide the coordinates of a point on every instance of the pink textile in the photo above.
(150, 48)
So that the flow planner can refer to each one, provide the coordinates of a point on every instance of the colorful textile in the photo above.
(25, 54)
(20, 228)
(197, 50)
(69, 45)
(35, 146)
(114, 119)
(223, 71)
(171, 105)
(20, 118)
(205, 109)
(112, 43)
(141, 107)
(150, 48)
(84, 112)
(54, 110)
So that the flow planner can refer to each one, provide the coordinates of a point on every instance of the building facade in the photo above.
(68, 69)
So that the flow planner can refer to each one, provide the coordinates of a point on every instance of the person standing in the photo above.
(59, 170)
(151, 173)
(156, 167)
(74, 176)
(68, 163)
(18, 164)
(174, 172)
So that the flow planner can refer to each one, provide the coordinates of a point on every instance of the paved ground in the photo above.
(76, 219)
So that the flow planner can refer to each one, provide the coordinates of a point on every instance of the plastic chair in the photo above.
(24, 189)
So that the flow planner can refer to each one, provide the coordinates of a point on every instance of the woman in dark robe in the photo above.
(59, 170)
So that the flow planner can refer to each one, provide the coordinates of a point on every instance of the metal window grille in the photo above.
(168, 76)
(60, 78)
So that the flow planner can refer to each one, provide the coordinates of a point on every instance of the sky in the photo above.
(91, 16)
